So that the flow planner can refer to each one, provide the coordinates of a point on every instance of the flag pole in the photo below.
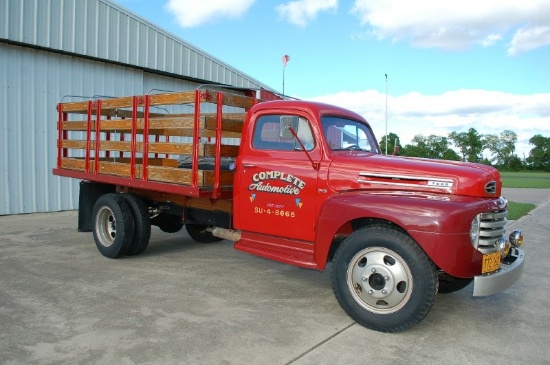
(386, 113)
(284, 66)
(285, 60)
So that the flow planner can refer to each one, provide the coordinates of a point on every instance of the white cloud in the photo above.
(489, 112)
(459, 24)
(192, 13)
(528, 38)
(301, 12)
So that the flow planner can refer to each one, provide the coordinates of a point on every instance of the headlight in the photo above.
(474, 231)
(516, 238)
(502, 246)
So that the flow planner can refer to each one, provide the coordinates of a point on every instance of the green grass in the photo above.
(518, 210)
(540, 180)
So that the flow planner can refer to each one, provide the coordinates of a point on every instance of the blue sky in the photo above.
(450, 66)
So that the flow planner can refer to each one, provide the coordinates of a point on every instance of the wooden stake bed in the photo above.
(139, 142)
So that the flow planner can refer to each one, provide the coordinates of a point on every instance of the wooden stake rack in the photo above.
(127, 142)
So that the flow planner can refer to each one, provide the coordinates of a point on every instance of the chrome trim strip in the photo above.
(403, 177)
(404, 184)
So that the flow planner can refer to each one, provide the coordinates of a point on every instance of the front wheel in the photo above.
(383, 279)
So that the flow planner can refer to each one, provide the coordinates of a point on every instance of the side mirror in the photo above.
(285, 124)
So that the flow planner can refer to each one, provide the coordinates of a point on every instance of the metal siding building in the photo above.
(50, 49)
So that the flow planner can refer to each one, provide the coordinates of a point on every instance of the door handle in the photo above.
(248, 165)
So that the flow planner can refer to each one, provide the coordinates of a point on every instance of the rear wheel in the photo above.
(383, 279)
(142, 224)
(113, 225)
(200, 233)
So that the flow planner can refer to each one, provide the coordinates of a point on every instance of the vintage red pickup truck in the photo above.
(299, 182)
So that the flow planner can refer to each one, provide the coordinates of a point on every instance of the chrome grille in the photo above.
(492, 227)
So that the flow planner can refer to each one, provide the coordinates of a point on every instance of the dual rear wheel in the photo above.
(122, 225)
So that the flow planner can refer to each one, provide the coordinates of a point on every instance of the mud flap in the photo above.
(89, 193)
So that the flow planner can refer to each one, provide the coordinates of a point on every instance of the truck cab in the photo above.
(312, 187)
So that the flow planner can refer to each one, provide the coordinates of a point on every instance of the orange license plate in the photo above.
(491, 262)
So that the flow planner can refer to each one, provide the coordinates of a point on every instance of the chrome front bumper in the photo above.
(509, 272)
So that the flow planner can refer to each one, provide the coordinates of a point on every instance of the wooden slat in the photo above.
(75, 144)
(203, 133)
(76, 126)
(113, 103)
(118, 146)
(230, 123)
(226, 178)
(171, 175)
(172, 148)
(185, 97)
(115, 168)
(174, 123)
(226, 150)
(156, 173)
(76, 107)
(73, 164)
(184, 176)
(239, 101)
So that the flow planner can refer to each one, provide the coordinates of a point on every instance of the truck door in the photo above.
(276, 182)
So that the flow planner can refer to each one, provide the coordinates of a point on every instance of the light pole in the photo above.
(386, 113)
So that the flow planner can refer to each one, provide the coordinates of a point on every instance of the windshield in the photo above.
(348, 134)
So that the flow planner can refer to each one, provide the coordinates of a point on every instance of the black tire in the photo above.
(168, 223)
(142, 224)
(383, 279)
(199, 233)
(113, 225)
(449, 284)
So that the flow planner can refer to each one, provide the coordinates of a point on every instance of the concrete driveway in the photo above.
(181, 302)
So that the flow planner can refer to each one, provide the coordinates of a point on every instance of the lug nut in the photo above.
(373, 269)
(384, 291)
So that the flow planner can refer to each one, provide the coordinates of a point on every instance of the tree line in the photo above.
(469, 146)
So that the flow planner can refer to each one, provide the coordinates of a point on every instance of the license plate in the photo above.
(491, 262)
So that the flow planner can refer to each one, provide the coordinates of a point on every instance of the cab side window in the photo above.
(268, 134)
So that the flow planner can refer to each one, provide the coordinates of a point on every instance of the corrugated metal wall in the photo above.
(32, 83)
(52, 48)
(104, 30)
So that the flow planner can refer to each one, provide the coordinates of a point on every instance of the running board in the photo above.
(297, 253)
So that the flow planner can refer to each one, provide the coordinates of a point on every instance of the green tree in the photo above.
(470, 144)
(430, 147)
(502, 148)
(393, 143)
(539, 156)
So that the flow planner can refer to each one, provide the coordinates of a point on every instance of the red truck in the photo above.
(299, 182)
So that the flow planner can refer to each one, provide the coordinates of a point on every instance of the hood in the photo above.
(355, 170)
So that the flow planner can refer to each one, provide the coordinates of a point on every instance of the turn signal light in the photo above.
(516, 238)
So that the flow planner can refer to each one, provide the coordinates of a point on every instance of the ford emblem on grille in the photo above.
(491, 187)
